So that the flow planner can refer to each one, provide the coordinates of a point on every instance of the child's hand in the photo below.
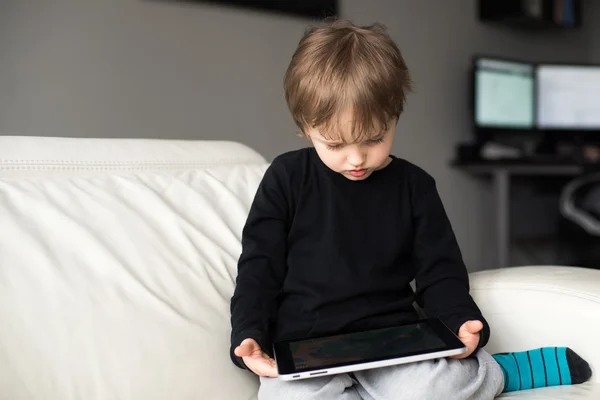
(469, 335)
(255, 359)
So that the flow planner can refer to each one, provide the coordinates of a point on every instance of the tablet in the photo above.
(328, 355)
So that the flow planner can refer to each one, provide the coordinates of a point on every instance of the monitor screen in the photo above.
(504, 94)
(568, 97)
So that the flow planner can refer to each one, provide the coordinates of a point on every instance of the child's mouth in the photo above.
(357, 173)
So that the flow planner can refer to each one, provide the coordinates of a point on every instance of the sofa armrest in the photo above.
(530, 307)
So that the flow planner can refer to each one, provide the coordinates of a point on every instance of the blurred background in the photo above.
(505, 113)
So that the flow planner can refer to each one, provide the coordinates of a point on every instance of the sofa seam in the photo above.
(556, 289)
(46, 165)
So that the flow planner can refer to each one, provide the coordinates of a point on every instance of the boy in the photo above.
(337, 232)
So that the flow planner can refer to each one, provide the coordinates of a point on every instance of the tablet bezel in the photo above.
(286, 367)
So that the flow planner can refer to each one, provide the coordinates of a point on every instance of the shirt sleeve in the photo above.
(261, 266)
(442, 281)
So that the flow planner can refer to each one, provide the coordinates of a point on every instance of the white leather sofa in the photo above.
(118, 259)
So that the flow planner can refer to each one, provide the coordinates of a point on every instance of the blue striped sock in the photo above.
(547, 366)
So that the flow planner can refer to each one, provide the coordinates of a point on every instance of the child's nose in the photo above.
(356, 157)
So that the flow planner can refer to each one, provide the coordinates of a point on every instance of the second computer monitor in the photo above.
(568, 97)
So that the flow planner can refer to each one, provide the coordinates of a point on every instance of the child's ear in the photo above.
(305, 133)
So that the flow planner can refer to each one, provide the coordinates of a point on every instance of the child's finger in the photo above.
(474, 326)
(247, 347)
(242, 351)
(268, 369)
(262, 367)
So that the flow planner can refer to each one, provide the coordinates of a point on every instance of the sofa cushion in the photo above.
(586, 391)
(117, 286)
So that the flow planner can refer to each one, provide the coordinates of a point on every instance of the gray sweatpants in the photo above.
(476, 378)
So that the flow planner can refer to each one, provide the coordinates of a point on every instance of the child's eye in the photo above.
(374, 141)
(334, 146)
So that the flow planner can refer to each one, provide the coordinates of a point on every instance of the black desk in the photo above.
(501, 173)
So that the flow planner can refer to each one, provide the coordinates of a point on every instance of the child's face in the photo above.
(355, 161)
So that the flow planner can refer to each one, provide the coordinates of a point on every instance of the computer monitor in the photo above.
(568, 97)
(504, 92)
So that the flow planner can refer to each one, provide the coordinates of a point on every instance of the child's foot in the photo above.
(548, 366)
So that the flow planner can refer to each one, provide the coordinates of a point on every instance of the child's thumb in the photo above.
(246, 348)
(474, 326)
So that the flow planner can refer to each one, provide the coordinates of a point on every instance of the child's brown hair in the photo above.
(343, 67)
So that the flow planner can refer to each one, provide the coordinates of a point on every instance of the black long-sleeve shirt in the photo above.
(322, 254)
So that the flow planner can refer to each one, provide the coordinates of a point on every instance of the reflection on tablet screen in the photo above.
(365, 346)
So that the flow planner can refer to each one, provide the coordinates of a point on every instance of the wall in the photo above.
(593, 18)
(140, 68)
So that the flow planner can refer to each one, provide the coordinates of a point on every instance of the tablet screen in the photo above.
(365, 346)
